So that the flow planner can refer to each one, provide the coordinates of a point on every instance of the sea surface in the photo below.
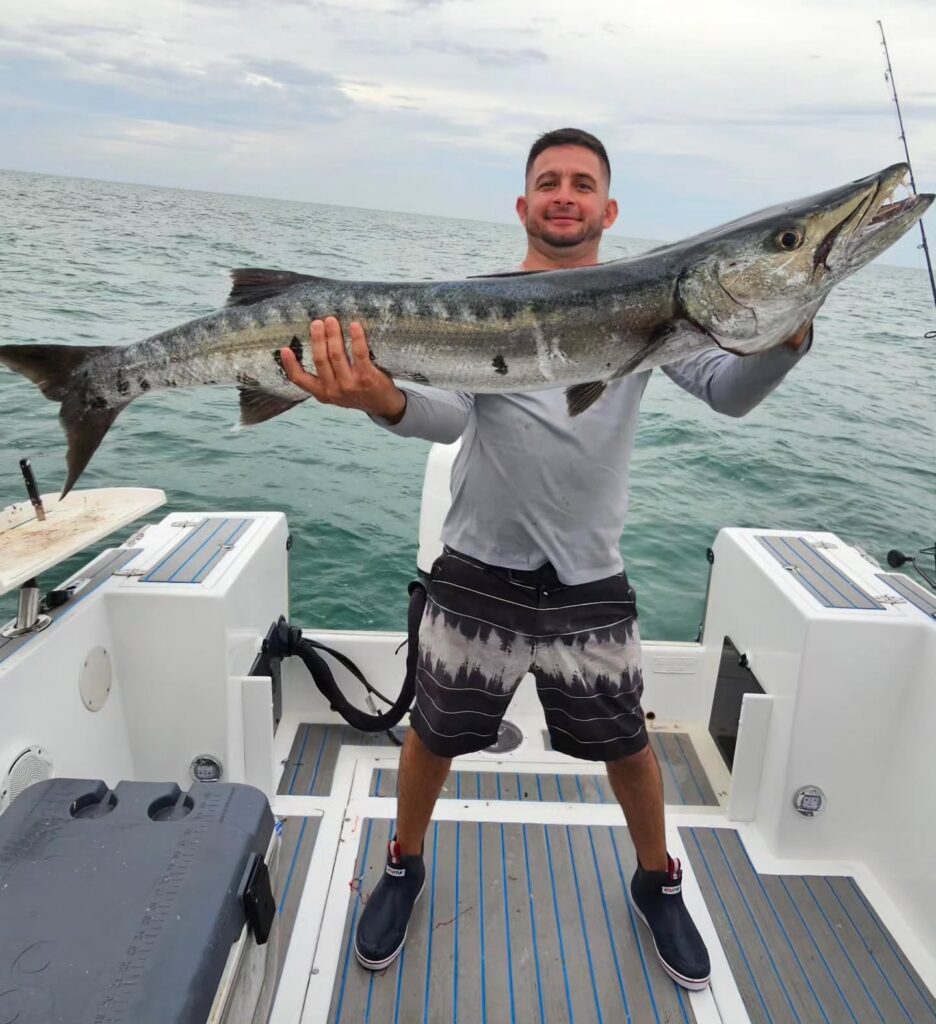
(847, 443)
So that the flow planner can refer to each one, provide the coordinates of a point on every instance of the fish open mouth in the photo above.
(881, 212)
(886, 212)
(873, 224)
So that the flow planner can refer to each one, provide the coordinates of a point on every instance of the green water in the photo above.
(848, 442)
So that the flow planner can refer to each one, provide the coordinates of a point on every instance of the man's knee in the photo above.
(632, 762)
(415, 749)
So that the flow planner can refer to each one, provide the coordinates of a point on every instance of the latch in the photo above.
(259, 904)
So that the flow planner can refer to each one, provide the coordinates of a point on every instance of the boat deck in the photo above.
(524, 917)
(803, 947)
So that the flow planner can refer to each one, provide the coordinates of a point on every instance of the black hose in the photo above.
(325, 681)
(286, 641)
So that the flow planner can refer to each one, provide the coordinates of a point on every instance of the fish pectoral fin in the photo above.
(253, 284)
(257, 405)
(580, 397)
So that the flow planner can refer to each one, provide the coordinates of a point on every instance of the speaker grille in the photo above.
(30, 767)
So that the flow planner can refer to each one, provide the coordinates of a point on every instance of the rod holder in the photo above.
(28, 620)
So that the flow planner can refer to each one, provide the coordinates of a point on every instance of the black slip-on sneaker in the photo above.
(381, 929)
(657, 899)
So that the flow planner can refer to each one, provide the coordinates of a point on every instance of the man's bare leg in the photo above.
(638, 786)
(656, 888)
(422, 776)
(381, 928)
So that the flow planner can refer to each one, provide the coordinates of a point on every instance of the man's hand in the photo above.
(796, 341)
(352, 384)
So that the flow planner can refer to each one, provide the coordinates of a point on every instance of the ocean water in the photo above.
(847, 443)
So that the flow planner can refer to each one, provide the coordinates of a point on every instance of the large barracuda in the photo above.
(745, 286)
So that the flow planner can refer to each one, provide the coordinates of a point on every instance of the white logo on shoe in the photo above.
(396, 872)
(668, 890)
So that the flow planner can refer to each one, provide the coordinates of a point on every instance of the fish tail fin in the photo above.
(52, 369)
(85, 429)
(49, 367)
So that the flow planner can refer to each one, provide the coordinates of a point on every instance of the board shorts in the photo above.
(485, 627)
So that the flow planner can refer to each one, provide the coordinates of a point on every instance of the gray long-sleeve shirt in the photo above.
(531, 485)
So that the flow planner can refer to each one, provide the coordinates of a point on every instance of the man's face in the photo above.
(566, 201)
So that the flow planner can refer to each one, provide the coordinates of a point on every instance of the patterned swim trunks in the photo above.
(485, 628)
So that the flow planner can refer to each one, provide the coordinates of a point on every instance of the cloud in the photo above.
(163, 86)
(489, 56)
(430, 106)
(262, 81)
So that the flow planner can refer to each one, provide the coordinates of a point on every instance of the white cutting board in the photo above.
(29, 547)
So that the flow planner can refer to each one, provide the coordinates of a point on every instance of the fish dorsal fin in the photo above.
(252, 284)
(257, 405)
(525, 273)
(504, 273)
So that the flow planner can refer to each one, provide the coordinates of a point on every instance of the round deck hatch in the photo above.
(94, 679)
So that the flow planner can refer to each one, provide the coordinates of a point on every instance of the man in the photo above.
(531, 579)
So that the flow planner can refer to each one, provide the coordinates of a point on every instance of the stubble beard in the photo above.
(588, 233)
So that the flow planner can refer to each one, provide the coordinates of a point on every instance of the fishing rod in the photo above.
(889, 78)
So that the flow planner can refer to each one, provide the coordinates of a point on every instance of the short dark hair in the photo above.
(569, 137)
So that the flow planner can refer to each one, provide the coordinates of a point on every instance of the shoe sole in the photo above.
(379, 965)
(693, 984)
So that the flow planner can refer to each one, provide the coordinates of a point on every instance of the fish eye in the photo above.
(789, 239)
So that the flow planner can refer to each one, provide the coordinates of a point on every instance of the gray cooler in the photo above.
(141, 905)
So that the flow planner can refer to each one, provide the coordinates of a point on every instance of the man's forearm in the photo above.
(732, 384)
(430, 413)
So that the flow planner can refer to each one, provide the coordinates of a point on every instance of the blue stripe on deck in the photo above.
(581, 910)
(481, 920)
(833, 954)
(513, 1007)
(632, 918)
(555, 903)
(757, 928)
(536, 959)
(354, 914)
(571, 903)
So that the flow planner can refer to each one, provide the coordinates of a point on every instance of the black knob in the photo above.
(895, 558)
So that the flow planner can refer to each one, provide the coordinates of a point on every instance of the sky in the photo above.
(710, 109)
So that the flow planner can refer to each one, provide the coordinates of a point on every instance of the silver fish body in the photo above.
(487, 334)
(745, 286)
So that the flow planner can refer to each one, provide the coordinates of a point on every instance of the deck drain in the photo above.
(509, 737)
